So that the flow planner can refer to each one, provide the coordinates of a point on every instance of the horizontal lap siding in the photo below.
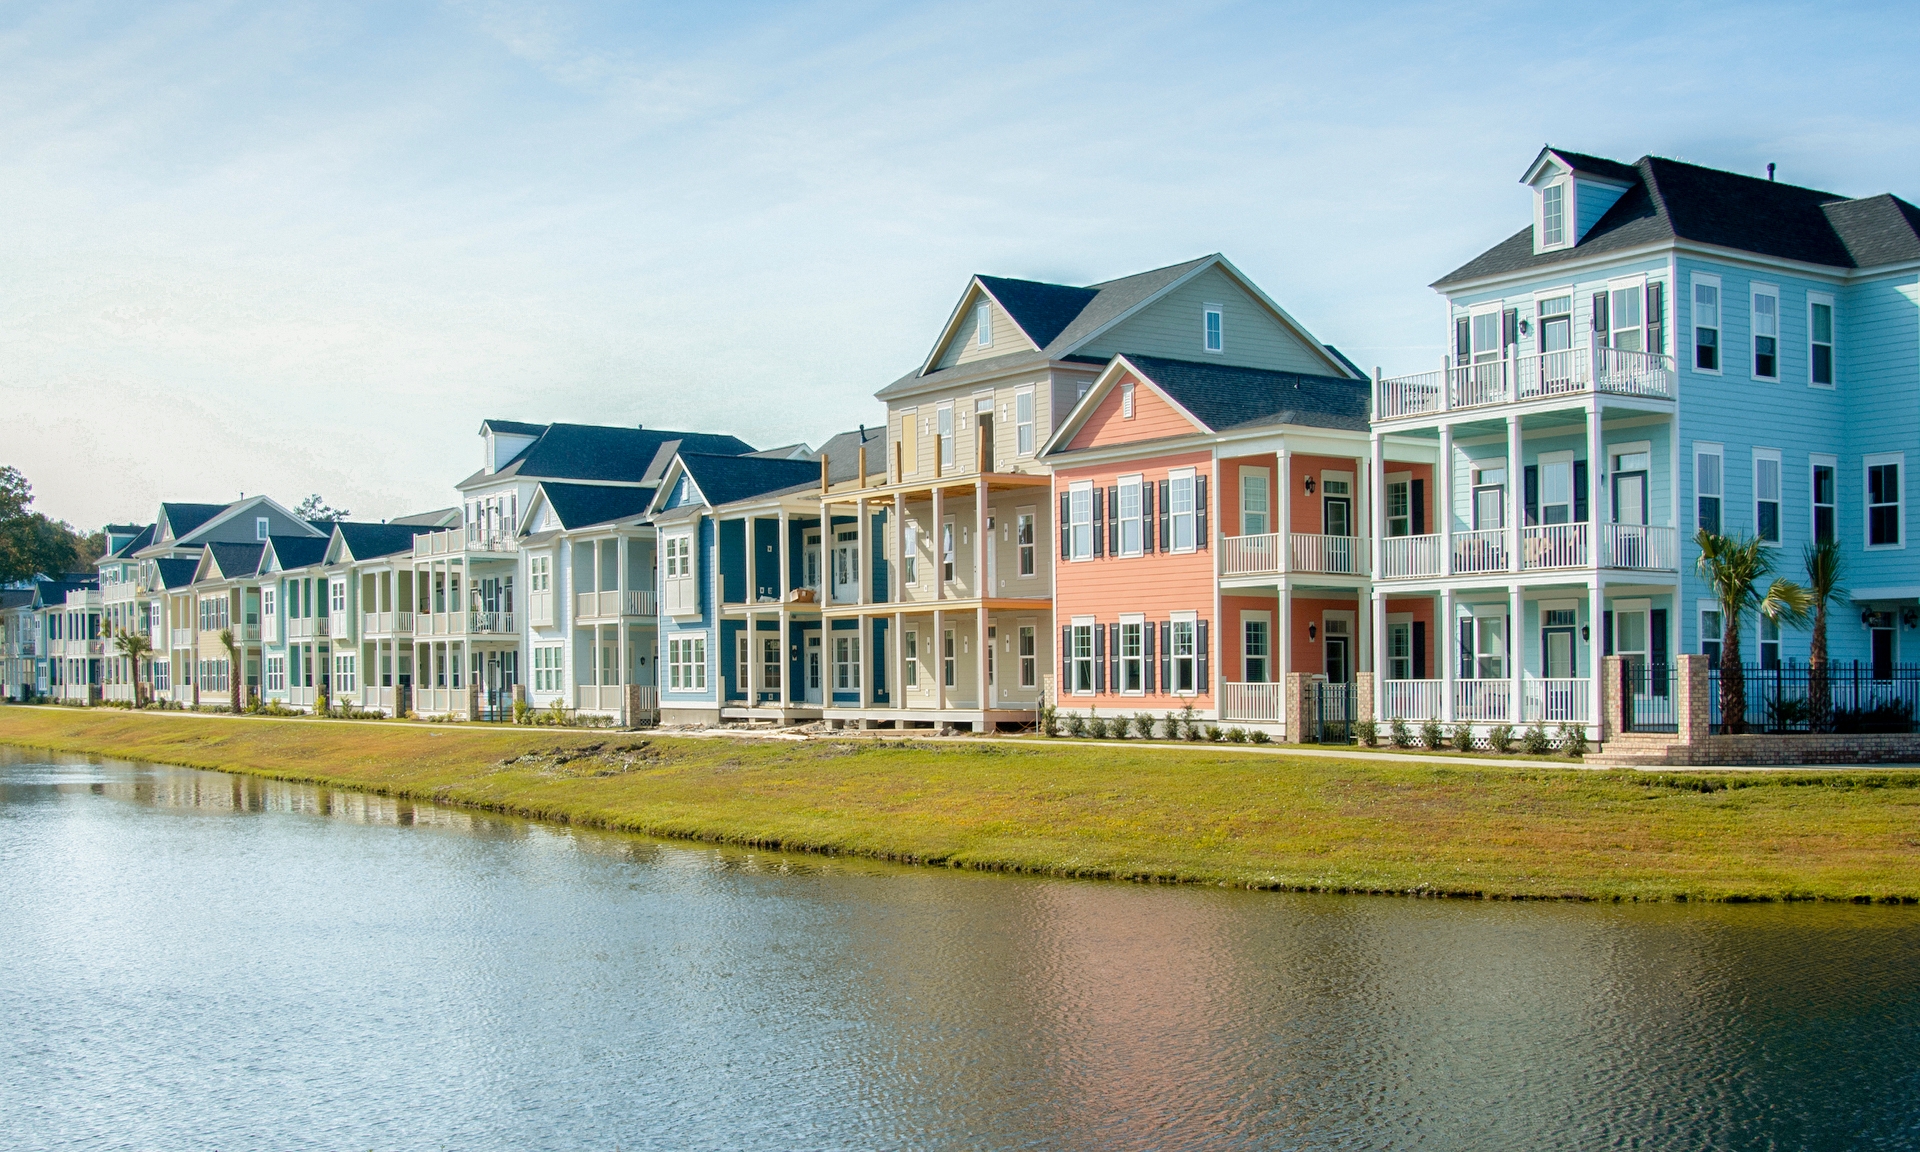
(964, 347)
(1309, 655)
(1153, 418)
(1306, 511)
(1231, 491)
(1173, 327)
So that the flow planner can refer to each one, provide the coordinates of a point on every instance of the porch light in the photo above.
(1312, 631)
(1586, 633)
(1309, 485)
(1910, 617)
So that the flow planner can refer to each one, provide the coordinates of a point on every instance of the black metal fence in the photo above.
(1844, 698)
(1333, 712)
(1650, 697)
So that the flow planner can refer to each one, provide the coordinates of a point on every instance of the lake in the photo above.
(196, 960)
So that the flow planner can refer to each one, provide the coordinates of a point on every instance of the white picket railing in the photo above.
(1556, 700)
(1483, 701)
(1482, 551)
(182, 637)
(1405, 556)
(1259, 555)
(1414, 699)
(375, 623)
(1327, 555)
(1259, 702)
(1554, 545)
(1531, 377)
(490, 621)
(1641, 547)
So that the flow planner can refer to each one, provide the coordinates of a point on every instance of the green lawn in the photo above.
(1109, 810)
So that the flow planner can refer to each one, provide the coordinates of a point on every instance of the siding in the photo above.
(917, 451)
(1153, 418)
(1172, 327)
(963, 348)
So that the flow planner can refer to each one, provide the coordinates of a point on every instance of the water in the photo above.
(192, 960)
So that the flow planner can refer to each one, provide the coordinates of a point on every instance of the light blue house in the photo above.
(1664, 347)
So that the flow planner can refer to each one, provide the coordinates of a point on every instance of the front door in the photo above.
(846, 568)
(813, 672)
(1339, 640)
(810, 561)
(983, 428)
(1881, 651)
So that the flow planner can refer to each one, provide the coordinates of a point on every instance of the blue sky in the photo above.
(309, 247)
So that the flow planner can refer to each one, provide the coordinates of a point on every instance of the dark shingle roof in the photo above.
(184, 518)
(237, 560)
(1041, 310)
(175, 572)
(367, 541)
(15, 598)
(1594, 165)
(843, 454)
(1223, 397)
(584, 505)
(299, 551)
(1670, 201)
(599, 452)
(512, 427)
(134, 545)
(726, 479)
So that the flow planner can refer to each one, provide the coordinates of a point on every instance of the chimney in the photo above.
(1769, 173)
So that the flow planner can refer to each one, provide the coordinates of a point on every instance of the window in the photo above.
(1706, 323)
(1769, 643)
(546, 668)
(679, 556)
(1080, 522)
(948, 658)
(338, 597)
(1029, 656)
(1133, 664)
(1825, 489)
(1399, 505)
(1180, 510)
(687, 663)
(1255, 509)
(1132, 528)
(540, 574)
(1819, 340)
(1766, 332)
(1556, 488)
(1256, 645)
(1400, 650)
(910, 563)
(1185, 657)
(1490, 647)
(945, 431)
(260, 527)
(742, 659)
(1556, 328)
(1883, 500)
(983, 324)
(910, 654)
(946, 551)
(1081, 638)
(1553, 215)
(1707, 486)
(345, 673)
(1710, 631)
(770, 663)
(1766, 494)
(1126, 400)
(266, 601)
(1490, 495)
(1214, 337)
(1023, 540)
(276, 673)
(1023, 421)
(1623, 320)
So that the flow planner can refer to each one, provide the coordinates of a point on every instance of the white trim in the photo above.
(1867, 464)
(1763, 455)
(1757, 291)
(1833, 353)
(1209, 329)
(1695, 282)
(1701, 607)
(1821, 460)
(983, 323)
(1718, 452)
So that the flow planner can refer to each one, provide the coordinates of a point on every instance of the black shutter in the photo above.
(1146, 657)
(1200, 511)
(1509, 327)
(1657, 649)
(1657, 318)
(1166, 656)
(1166, 536)
(1466, 649)
(1601, 326)
(1531, 495)
(1113, 655)
(1099, 659)
(1579, 491)
(1146, 517)
(1066, 528)
(1113, 521)
(1200, 654)
(1099, 521)
(1419, 649)
(1606, 633)
(1417, 497)
(1066, 662)
(1462, 341)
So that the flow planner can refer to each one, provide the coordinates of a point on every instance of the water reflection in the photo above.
(196, 960)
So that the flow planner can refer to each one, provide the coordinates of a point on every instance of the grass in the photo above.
(1108, 810)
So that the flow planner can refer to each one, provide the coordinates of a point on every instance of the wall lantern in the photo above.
(1309, 485)
(1312, 631)
(1526, 326)
(1586, 633)
(1910, 617)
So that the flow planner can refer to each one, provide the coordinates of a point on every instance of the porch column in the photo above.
(1283, 629)
(1445, 636)
(939, 660)
(753, 565)
(749, 676)
(826, 551)
(784, 583)
(1443, 498)
(786, 665)
(1379, 654)
(896, 587)
(1596, 648)
(1516, 498)
(939, 543)
(980, 657)
(897, 685)
(1596, 489)
(1377, 502)
(867, 662)
(863, 563)
(982, 540)
(1283, 507)
(1516, 658)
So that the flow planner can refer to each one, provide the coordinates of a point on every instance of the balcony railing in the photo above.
(1482, 551)
(1641, 547)
(1483, 701)
(307, 627)
(632, 602)
(383, 623)
(1557, 700)
(440, 701)
(1258, 555)
(490, 622)
(1273, 553)
(452, 541)
(1544, 374)
(1406, 556)
(1554, 545)
(1414, 699)
(1259, 702)
(182, 638)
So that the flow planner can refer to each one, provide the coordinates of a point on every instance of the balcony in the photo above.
(182, 638)
(308, 627)
(385, 623)
(1482, 551)
(454, 541)
(490, 622)
(1256, 702)
(1307, 553)
(1405, 557)
(608, 605)
(1640, 547)
(1539, 376)
(1556, 701)
(1554, 546)
(1483, 701)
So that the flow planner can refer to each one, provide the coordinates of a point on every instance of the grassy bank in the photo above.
(1256, 820)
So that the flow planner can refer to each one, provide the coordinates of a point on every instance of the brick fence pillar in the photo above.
(1613, 713)
(1694, 710)
(1299, 706)
(1363, 696)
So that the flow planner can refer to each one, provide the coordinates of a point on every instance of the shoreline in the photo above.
(1257, 818)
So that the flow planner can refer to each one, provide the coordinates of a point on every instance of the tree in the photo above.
(32, 544)
(236, 673)
(1826, 576)
(1734, 568)
(315, 511)
(134, 645)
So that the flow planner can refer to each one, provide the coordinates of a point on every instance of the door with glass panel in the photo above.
(813, 668)
(1336, 518)
(1338, 641)
(1556, 344)
(1630, 509)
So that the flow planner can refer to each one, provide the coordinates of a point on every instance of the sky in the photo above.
(307, 248)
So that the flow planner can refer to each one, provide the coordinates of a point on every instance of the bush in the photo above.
(1077, 726)
(1236, 735)
(1536, 741)
(1173, 726)
(1461, 737)
(1402, 736)
(1433, 736)
(1143, 725)
(1573, 739)
(1368, 732)
(1500, 738)
(1189, 723)
(1214, 735)
(1260, 736)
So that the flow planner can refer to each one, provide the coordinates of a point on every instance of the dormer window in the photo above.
(1553, 216)
(1214, 336)
(983, 324)
(260, 527)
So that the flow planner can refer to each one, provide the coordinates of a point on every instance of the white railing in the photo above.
(1640, 546)
(1327, 555)
(372, 623)
(1414, 699)
(1404, 556)
(638, 602)
(1482, 551)
(1554, 545)
(182, 638)
(1259, 555)
(1557, 700)
(490, 621)
(1483, 701)
(1250, 702)
(613, 698)
(631, 602)
(1531, 377)
(440, 701)
(450, 541)
(303, 627)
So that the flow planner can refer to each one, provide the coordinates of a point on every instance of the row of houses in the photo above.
(1148, 494)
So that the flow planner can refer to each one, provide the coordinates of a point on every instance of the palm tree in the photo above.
(1734, 568)
(135, 646)
(235, 673)
(1825, 583)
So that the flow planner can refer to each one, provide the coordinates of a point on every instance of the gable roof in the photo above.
(184, 518)
(233, 561)
(297, 551)
(727, 479)
(1222, 397)
(512, 427)
(370, 541)
(843, 454)
(1669, 200)
(125, 551)
(438, 518)
(1584, 164)
(15, 598)
(584, 505)
(600, 452)
(1041, 310)
(175, 571)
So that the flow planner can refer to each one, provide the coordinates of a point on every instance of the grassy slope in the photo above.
(1115, 810)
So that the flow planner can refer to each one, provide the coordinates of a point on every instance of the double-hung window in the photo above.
(1399, 650)
(1769, 643)
(983, 324)
(946, 550)
(910, 562)
(1133, 664)
(338, 602)
(1706, 323)
(261, 526)
(1766, 332)
(945, 430)
(1625, 320)
(1708, 486)
(1131, 526)
(949, 658)
(1256, 637)
(910, 657)
(1081, 637)
(1080, 521)
(1710, 631)
(1180, 510)
(1400, 505)
(276, 673)
(1825, 489)
(1884, 499)
(1553, 215)
(1185, 657)
(1023, 421)
(846, 662)
(546, 667)
(687, 663)
(1213, 331)
(1255, 508)
(1819, 340)
(1023, 540)
(1766, 494)
(1029, 656)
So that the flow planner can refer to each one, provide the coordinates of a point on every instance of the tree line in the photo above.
(33, 543)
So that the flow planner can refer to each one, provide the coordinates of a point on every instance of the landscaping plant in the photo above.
(1368, 731)
(1734, 568)
(1461, 737)
(1433, 736)
(1573, 739)
(1825, 583)
(1536, 741)
(1402, 735)
(1143, 725)
(1500, 738)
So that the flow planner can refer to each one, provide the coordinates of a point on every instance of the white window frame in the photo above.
(1027, 648)
(336, 597)
(1126, 400)
(1081, 655)
(846, 661)
(910, 657)
(949, 556)
(943, 428)
(1867, 465)
(687, 662)
(1695, 282)
(1555, 460)
(910, 560)
(1758, 292)
(1182, 482)
(266, 601)
(983, 324)
(1080, 520)
(1543, 240)
(1634, 288)
(261, 527)
(1131, 512)
(276, 673)
(1815, 462)
(1702, 448)
(1766, 626)
(1831, 344)
(1701, 610)
(1265, 620)
(1402, 482)
(1256, 480)
(1023, 422)
(1399, 624)
(1489, 625)
(1213, 329)
(1026, 542)
(1131, 666)
(1769, 456)
(949, 657)
(1185, 632)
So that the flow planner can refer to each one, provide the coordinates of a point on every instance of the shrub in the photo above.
(1260, 736)
(1536, 741)
(1500, 738)
(1461, 737)
(1143, 725)
(1214, 735)
(1433, 736)
(1189, 724)
(1402, 735)
(1172, 726)
(1573, 739)
(1049, 721)
(1077, 726)
(1368, 731)
(1236, 735)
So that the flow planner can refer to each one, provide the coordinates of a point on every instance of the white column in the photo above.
(1380, 665)
(980, 658)
(1443, 498)
(826, 563)
(863, 566)
(784, 584)
(897, 684)
(1377, 502)
(1596, 484)
(751, 675)
(1516, 494)
(982, 539)
(1283, 644)
(753, 561)
(939, 525)
(1596, 646)
(939, 660)
(1516, 659)
(896, 588)
(1283, 503)
(786, 662)
(1445, 631)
